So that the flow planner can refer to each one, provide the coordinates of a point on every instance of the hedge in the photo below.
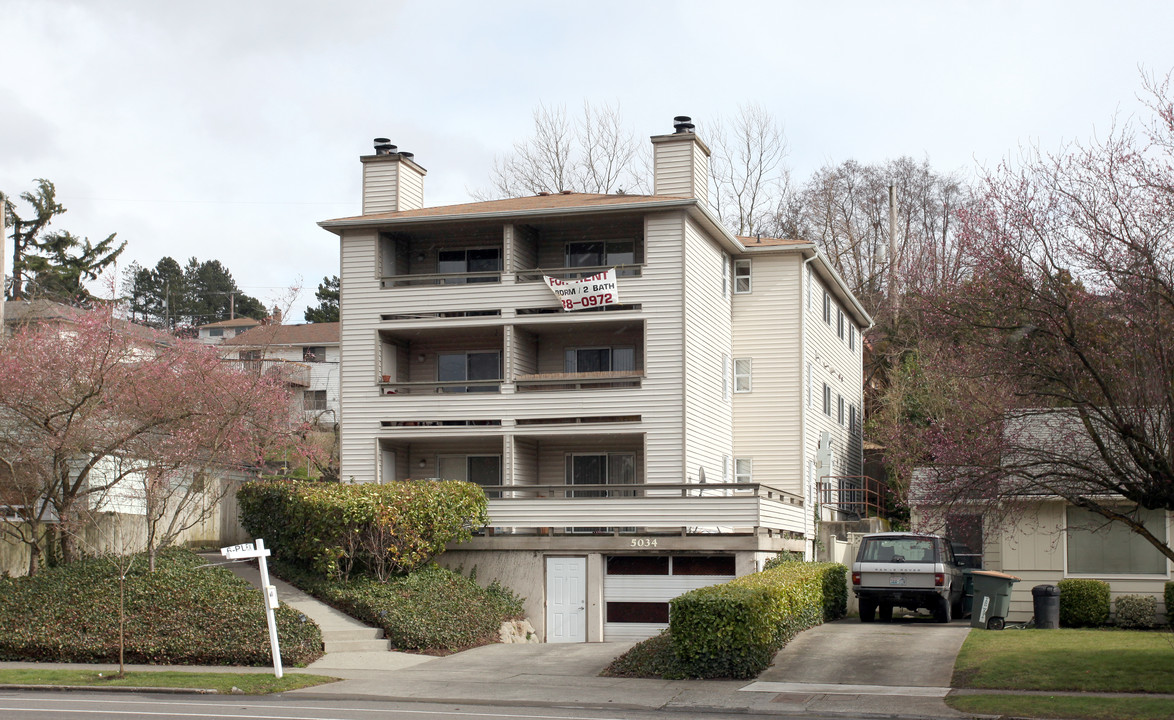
(1083, 603)
(1168, 596)
(184, 613)
(733, 630)
(331, 527)
(432, 610)
(1136, 611)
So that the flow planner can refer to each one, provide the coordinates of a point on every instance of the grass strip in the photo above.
(248, 683)
(1073, 708)
(1067, 659)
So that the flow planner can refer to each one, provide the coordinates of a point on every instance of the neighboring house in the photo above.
(1026, 525)
(217, 332)
(18, 313)
(309, 355)
(631, 450)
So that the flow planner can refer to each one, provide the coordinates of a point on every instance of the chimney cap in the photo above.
(407, 155)
(383, 146)
(682, 124)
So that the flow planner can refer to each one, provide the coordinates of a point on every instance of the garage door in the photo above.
(637, 589)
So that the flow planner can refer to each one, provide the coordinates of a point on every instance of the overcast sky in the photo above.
(226, 129)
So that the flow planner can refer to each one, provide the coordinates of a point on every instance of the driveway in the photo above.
(904, 653)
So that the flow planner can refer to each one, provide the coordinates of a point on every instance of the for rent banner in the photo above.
(594, 291)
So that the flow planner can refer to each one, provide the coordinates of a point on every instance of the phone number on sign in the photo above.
(589, 301)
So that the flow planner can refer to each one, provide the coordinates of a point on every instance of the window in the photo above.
(314, 354)
(852, 419)
(467, 261)
(742, 375)
(840, 409)
(827, 400)
(251, 360)
(851, 336)
(469, 366)
(840, 323)
(827, 308)
(725, 377)
(313, 400)
(215, 332)
(741, 276)
(600, 469)
(1098, 547)
(580, 360)
(725, 268)
(611, 253)
(743, 470)
(483, 470)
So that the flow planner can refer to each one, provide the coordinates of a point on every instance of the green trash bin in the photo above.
(992, 599)
(967, 591)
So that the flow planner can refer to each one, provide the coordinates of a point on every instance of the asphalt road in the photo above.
(71, 705)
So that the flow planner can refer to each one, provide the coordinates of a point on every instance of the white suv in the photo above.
(906, 570)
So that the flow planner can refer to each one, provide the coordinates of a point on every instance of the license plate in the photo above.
(896, 579)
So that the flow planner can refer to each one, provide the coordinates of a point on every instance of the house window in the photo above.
(840, 323)
(851, 336)
(725, 377)
(852, 419)
(827, 308)
(1098, 547)
(602, 359)
(840, 409)
(315, 354)
(742, 375)
(215, 332)
(251, 360)
(483, 470)
(469, 366)
(455, 262)
(743, 470)
(314, 400)
(741, 276)
(600, 469)
(827, 400)
(612, 253)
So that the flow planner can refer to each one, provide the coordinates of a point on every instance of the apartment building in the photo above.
(306, 355)
(660, 440)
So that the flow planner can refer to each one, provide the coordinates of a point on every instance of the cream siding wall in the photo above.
(767, 330)
(708, 414)
(380, 186)
(675, 168)
(411, 188)
(831, 362)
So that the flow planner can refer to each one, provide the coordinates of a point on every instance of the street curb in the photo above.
(116, 689)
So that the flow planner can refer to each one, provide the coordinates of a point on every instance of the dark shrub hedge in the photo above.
(431, 610)
(1083, 603)
(1168, 596)
(182, 614)
(733, 630)
(385, 529)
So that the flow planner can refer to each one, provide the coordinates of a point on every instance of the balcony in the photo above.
(744, 506)
(292, 373)
(536, 382)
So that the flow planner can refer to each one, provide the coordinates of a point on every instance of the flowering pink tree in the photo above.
(1049, 371)
(100, 411)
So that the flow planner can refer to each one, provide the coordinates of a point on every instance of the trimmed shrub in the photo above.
(386, 529)
(1168, 596)
(181, 614)
(1083, 603)
(1136, 611)
(433, 610)
(733, 630)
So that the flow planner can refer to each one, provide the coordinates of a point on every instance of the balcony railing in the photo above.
(289, 371)
(440, 386)
(653, 505)
(465, 278)
(855, 495)
(578, 380)
(575, 273)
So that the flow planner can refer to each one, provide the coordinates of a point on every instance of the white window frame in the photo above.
(851, 336)
(840, 323)
(827, 399)
(743, 375)
(827, 308)
(840, 409)
(743, 470)
(748, 277)
(1111, 575)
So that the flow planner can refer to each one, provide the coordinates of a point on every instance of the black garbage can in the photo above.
(1046, 601)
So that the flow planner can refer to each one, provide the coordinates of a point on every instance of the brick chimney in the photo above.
(680, 162)
(392, 181)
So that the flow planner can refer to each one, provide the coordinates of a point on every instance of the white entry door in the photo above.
(566, 599)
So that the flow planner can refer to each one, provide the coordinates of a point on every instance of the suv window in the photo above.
(899, 549)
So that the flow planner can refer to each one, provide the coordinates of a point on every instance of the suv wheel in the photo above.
(867, 610)
(942, 613)
(886, 612)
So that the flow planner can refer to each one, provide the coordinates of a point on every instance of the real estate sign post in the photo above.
(259, 551)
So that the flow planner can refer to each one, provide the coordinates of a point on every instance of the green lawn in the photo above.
(1073, 660)
(249, 683)
(1083, 660)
